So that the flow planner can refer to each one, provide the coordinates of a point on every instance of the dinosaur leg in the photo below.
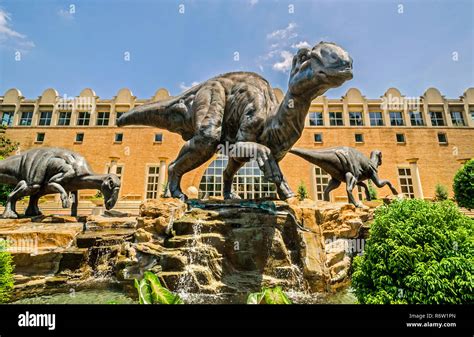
(33, 209)
(233, 166)
(193, 154)
(332, 185)
(264, 158)
(9, 212)
(351, 182)
(381, 183)
(366, 190)
(208, 108)
(66, 173)
(21, 189)
(283, 189)
(75, 203)
(55, 187)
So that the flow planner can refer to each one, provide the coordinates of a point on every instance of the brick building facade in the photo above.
(423, 139)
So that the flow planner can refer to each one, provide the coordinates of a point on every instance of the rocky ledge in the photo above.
(203, 246)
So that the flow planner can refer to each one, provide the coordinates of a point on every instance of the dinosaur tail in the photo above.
(312, 156)
(147, 114)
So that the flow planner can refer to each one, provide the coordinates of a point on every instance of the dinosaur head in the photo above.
(110, 188)
(376, 157)
(316, 70)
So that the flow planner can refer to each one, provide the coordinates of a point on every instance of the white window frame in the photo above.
(249, 175)
(156, 192)
(407, 174)
(319, 173)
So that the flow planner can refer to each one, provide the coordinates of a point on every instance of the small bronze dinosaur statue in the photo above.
(241, 109)
(42, 171)
(349, 165)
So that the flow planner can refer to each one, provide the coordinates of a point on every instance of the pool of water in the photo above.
(93, 296)
(115, 296)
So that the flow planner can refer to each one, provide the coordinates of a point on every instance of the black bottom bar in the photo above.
(239, 320)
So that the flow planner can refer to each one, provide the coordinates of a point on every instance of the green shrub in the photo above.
(6, 273)
(302, 191)
(418, 252)
(5, 190)
(269, 296)
(372, 191)
(463, 185)
(441, 192)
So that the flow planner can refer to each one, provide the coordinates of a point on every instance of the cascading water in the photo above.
(193, 256)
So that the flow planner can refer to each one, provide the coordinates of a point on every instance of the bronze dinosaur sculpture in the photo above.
(346, 164)
(241, 109)
(42, 171)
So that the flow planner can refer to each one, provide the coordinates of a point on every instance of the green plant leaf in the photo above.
(275, 296)
(269, 296)
(159, 294)
(144, 292)
(255, 298)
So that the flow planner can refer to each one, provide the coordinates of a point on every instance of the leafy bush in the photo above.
(302, 191)
(463, 185)
(5, 190)
(6, 272)
(150, 291)
(269, 296)
(441, 192)
(372, 191)
(418, 252)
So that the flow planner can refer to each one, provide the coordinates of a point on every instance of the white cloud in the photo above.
(279, 55)
(253, 2)
(183, 86)
(301, 44)
(285, 33)
(9, 37)
(65, 14)
(285, 64)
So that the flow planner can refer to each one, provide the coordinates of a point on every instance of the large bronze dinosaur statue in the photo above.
(346, 164)
(241, 109)
(42, 171)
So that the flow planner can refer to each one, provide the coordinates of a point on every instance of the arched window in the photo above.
(249, 182)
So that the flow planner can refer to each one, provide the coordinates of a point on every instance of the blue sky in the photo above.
(425, 43)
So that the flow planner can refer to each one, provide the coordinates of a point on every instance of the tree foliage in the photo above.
(463, 185)
(441, 192)
(372, 191)
(6, 272)
(418, 252)
(6, 147)
(302, 191)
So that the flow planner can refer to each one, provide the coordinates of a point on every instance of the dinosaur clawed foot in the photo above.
(180, 195)
(9, 214)
(33, 212)
(66, 203)
(267, 164)
(231, 195)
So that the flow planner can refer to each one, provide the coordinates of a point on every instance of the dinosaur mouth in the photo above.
(346, 72)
